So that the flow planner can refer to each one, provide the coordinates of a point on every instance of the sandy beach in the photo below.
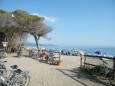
(44, 74)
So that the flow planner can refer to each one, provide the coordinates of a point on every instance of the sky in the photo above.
(74, 22)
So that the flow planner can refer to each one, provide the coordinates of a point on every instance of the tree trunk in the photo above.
(37, 42)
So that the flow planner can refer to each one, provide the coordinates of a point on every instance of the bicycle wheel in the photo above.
(1, 84)
(96, 71)
(112, 78)
(22, 81)
(54, 60)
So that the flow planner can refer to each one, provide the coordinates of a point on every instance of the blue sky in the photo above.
(75, 22)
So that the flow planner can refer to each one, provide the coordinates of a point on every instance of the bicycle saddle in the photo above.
(18, 71)
(14, 66)
(5, 61)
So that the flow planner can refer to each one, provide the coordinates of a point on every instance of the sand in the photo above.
(44, 74)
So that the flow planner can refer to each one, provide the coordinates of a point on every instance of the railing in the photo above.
(84, 62)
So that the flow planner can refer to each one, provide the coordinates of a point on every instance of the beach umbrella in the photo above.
(104, 53)
(98, 52)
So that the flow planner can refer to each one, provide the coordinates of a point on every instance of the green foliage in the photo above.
(19, 12)
(2, 11)
(98, 70)
(17, 24)
(87, 70)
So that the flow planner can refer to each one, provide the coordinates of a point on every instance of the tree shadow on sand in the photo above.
(81, 77)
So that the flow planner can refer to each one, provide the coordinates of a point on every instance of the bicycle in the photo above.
(20, 78)
(17, 77)
(3, 54)
(2, 67)
(52, 58)
(103, 70)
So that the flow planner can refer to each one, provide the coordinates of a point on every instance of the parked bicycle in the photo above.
(3, 54)
(104, 71)
(52, 58)
(2, 66)
(14, 77)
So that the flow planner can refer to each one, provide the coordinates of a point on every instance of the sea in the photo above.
(89, 50)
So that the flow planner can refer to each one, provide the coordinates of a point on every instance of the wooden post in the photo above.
(113, 66)
(114, 63)
(59, 62)
(81, 61)
(84, 61)
(59, 56)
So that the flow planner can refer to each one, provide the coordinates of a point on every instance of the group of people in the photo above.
(34, 53)
(65, 52)
(47, 52)
(17, 50)
(74, 52)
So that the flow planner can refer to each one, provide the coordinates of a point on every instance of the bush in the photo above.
(87, 70)
(98, 68)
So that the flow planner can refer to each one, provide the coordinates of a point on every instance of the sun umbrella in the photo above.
(98, 52)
